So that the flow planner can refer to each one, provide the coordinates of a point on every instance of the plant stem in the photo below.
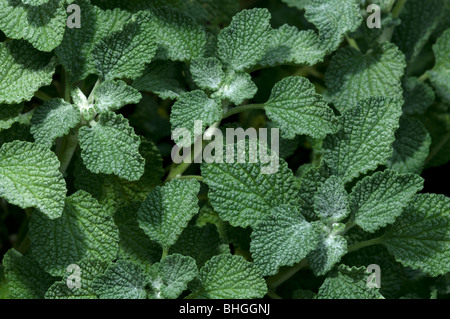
(398, 8)
(42, 96)
(352, 43)
(67, 149)
(370, 242)
(67, 86)
(438, 147)
(196, 177)
(276, 280)
(272, 294)
(165, 253)
(243, 108)
(424, 77)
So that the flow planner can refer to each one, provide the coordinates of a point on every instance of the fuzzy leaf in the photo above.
(377, 200)
(53, 119)
(30, 177)
(83, 231)
(41, 25)
(439, 75)
(26, 279)
(112, 95)
(365, 138)
(112, 147)
(24, 70)
(121, 280)
(352, 77)
(168, 209)
(283, 238)
(331, 200)
(236, 87)
(298, 109)
(172, 275)
(420, 237)
(229, 277)
(126, 52)
(418, 96)
(244, 41)
(207, 73)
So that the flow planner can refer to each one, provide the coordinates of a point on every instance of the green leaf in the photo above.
(4, 286)
(24, 70)
(334, 19)
(53, 119)
(420, 237)
(200, 243)
(331, 200)
(329, 251)
(365, 138)
(245, 40)
(298, 109)
(207, 73)
(283, 238)
(299, 4)
(84, 230)
(110, 146)
(191, 107)
(289, 45)
(34, 2)
(348, 283)
(26, 279)
(171, 276)
(352, 76)
(41, 25)
(418, 96)
(30, 177)
(229, 277)
(178, 36)
(439, 75)
(113, 192)
(74, 52)
(411, 147)
(419, 20)
(236, 87)
(242, 195)
(112, 95)
(121, 280)
(125, 53)
(89, 270)
(377, 200)
(168, 209)
(134, 244)
(164, 78)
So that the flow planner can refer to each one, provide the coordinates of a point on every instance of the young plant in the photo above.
(92, 101)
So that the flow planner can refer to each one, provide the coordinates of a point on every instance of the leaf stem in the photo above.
(67, 86)
(424, 77)
(243, 108)
(370, 242)
(272, 294)
(276, 280)
(67, 149)
(352, 43)
(42, 96)
(398, 8)
(437, 148)
(196, 177)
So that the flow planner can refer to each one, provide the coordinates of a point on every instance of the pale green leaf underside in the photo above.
(298, 109)
(365, 138)
(191, 107)
(53, 119)
(125, 53)
(30, 177)
(121, 280)
(24, 70)
(377, 200)
(229, 277)
(112, 147)
(236, 87)
(41, 25)
(348, 283)
(411, 147)
(172, 276)
(242, 195)
(26, 280)
(420, 237)
(84, 230)
(168, 209)
(331, 200)
(89, 270)
(244, 41)
(352, 77)
(440, 74)
(283, 238)
(112, 95)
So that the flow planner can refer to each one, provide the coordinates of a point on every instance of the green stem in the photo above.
(437, 148)
(67, 149)
(424, 77)
(398, 8)
(276, 280)
(352, 43)
(370, 242)
(272, 294)
(243, 108)
(165, 252)
(196, 177)
(67, 86)
(42, 96)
